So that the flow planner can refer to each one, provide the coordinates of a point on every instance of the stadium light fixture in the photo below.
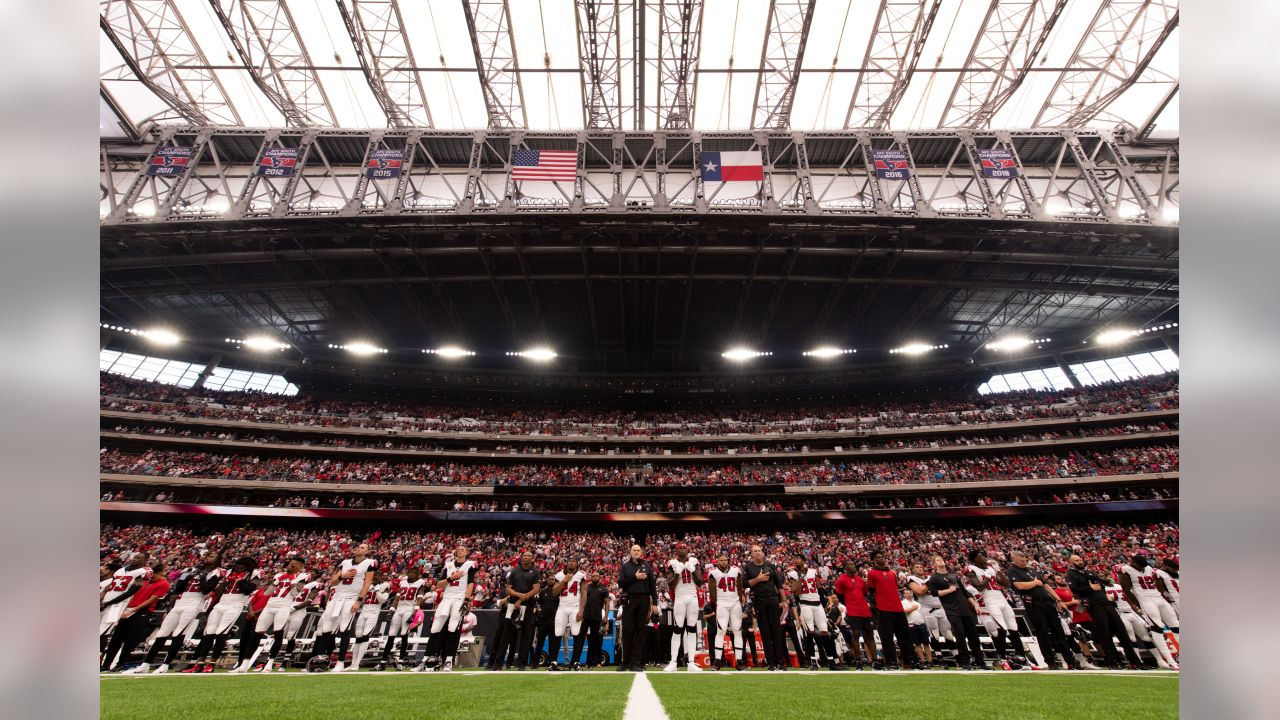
(536, 354)
(360, 348)
(160, 336)
(260, 343)
(1014, 344)
(1115, 337)
(742, 354)
(826, 352)
(916, 349)
(450, 352)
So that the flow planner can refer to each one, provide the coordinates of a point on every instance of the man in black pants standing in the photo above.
(1106, 621)
(517, 621)
(589, 615)
(893, 621)
(961, 613)
(640, 595)
(765, 583)
(1042, 611)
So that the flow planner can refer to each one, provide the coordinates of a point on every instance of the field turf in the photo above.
(603, 696)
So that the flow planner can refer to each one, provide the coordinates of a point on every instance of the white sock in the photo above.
(737, 645)
(1162, 647)
(690, 644)
(675, 645)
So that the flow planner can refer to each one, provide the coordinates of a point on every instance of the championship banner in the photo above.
(169, 161)
(891, 164)
(384, 163)
(998, 163)
(278, 162)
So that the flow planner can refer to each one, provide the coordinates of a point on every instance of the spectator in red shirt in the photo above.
(135, 620)
(893, 621)
(857, 613)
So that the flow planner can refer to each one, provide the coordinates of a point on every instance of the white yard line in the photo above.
(850, 674)
(643, 702)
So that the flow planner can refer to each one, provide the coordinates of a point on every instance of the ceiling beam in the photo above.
(493, 43)
(158, 47)
(377, 32)
(679, 43)
(1003, 55)
(599, 25)
(786, 35)
(901, 29)
(1113, 53)
(267, 41)
(496, 279)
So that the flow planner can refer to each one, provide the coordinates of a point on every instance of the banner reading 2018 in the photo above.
(998, 163)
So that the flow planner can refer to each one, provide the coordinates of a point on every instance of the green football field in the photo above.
(605, 696)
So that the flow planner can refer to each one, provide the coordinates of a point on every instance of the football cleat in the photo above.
(192, 668)
(740, 665)
(576, 667)
(813, 665)
(137, 670)
(671, 667)
(380, 667)
(693, 667)
(339, 667)
(553, 668)
(164, 668)
(267, 666)
(208, 668)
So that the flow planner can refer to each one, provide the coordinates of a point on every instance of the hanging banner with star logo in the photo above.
(891, 164)
(731, 166)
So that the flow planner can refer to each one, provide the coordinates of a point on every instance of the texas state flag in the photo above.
(731, 166)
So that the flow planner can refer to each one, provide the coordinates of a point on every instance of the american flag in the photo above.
(544, 165)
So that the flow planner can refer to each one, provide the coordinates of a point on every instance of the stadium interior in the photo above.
(906, 288)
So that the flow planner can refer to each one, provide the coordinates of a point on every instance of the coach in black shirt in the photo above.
(1042, 611)
(1088, 587)
(765, 584)
(640, 595)
(958, 605)
(523, 584)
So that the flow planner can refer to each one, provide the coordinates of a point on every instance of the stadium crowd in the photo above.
(260, 436)
(209, 496)
(1084, 463)
(1152, 393)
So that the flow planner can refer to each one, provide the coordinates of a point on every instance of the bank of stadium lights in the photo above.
(259, 343)
(916, 349)
(536, 354)
(159, 336)
(449, 352)
(1014, 344)
(1115, 337)
(827, 352)
(360, 348)
(742, 354)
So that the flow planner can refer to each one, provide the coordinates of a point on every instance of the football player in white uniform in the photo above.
(990, 581)
(683, 579)
(803, 582)
(114, 596)
(1172, 584)
(728, 595)
(350, 583)
(456, 585)
(367, 619)
(935, 618)
(1138, 629)
(194, 587)
(275, 614)
(233, 595)
(1144, 584)
(569, 585)
(410, 592)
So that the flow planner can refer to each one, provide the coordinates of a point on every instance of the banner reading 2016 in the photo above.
(998, 163)
(891, 164)
(385, 163)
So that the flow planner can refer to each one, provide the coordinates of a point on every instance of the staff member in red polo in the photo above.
(857, 613)
(135, 620)
(893, 621)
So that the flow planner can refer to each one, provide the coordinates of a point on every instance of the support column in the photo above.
(1171, 342)
(103, 341)
(1066, 369)
(208, 370)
